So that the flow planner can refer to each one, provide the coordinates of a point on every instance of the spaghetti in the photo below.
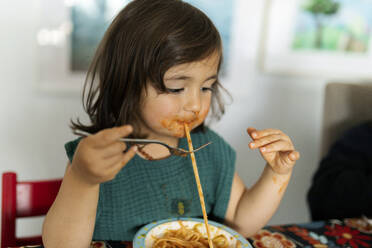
(191, 237)
(197, 179)
(188, 238)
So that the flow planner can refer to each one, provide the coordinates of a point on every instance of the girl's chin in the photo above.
(180, 133)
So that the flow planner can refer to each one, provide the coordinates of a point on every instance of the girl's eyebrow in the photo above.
(185, 78)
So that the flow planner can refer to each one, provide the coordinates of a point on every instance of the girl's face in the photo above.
(188, 99)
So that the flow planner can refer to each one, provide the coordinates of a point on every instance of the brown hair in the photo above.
(145, 39)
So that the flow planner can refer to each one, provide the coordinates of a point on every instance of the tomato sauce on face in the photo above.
(176, 124)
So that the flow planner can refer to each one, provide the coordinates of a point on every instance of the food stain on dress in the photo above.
(181, 208)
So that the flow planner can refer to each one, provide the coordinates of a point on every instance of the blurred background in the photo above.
(278, 60)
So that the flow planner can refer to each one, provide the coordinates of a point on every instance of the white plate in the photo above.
(144, 238)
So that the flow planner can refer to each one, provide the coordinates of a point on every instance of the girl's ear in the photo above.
(144, 92)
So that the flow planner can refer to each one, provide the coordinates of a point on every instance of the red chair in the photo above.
(24, 199)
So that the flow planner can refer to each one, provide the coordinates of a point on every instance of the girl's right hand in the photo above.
(99, 157)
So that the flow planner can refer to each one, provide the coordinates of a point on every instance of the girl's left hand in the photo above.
(275, 147)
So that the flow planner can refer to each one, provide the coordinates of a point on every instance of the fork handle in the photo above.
(142, 141)
(133, 140)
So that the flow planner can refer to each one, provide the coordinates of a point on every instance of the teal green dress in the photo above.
(145, 191)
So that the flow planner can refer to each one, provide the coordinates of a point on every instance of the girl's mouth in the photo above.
(176, 125)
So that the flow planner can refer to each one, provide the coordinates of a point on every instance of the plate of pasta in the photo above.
(187, 232)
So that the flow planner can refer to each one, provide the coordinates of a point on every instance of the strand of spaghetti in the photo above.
(200, 191)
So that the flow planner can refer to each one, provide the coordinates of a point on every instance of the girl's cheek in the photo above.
(203, 115)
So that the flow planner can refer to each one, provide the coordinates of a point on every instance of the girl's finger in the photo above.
(116, 161)
(287, 159)
(250, 130)
(110, 135)
(116, 148)
(128, 155)
(113, 161)
(277, 146)
(265, 140)
(294, 156)
(265, 132)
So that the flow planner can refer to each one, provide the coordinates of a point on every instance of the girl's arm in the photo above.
(98, 158)
(70, 220)
(250, 209)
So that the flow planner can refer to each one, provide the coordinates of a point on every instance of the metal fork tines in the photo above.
(173, 150)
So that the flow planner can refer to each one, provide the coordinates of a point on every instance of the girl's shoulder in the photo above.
(71, 146)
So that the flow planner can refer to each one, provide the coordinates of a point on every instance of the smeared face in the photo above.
(187, 101)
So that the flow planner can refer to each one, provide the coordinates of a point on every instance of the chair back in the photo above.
(24, 199)
(345, 105)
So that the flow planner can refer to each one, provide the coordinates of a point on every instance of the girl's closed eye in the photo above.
(174, 91)
(206, 89)
(179, 90)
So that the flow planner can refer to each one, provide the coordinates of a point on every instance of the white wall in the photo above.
(34, 125)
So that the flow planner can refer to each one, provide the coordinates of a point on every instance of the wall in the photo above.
(34, 124)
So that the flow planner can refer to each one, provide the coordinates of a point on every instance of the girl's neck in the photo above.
(156, 151)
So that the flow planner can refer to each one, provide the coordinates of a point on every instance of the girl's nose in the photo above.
(193, 103)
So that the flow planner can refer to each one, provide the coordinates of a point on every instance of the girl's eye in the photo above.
(175, 90)
(204, 89)
(211, 88)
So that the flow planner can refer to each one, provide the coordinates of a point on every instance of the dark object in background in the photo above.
(342, 185)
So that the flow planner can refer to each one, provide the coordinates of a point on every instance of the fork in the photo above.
(173, 150)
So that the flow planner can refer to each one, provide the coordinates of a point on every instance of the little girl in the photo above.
(157, 68)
